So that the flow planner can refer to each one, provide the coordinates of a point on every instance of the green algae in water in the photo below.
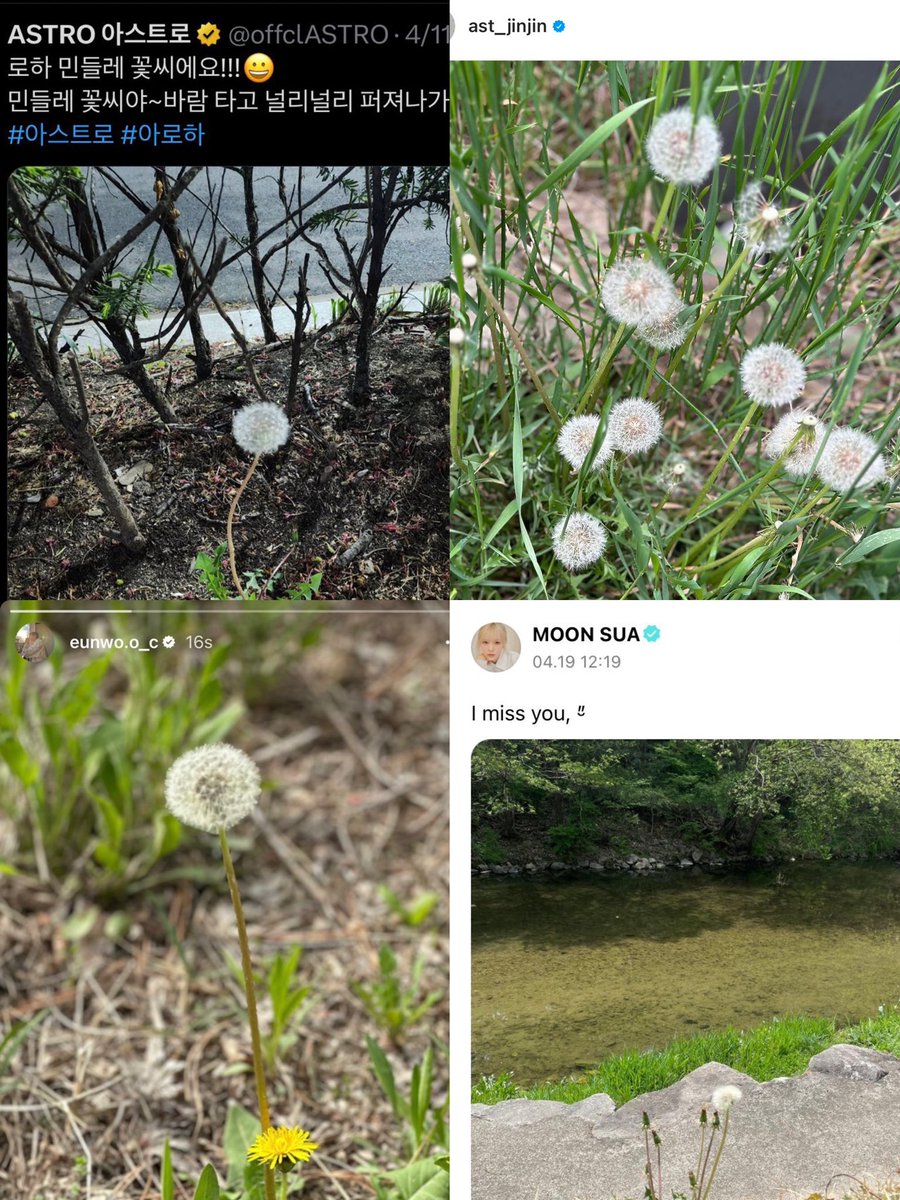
(567, 971)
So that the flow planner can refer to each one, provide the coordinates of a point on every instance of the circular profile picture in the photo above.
(496, 647)
(34, 642)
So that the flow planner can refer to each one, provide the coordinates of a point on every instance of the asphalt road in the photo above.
(416, 254)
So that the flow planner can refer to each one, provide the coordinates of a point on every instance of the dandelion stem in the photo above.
(497, 310)
(228, 528)
(695, 1188)
(768, 534)
(704, 491)
(715, 1166)
(663, 209)
(454, 406)
(247, 969)
(709, 1145)
(760, 540)
(519, 345)
(489, 318)
(724, 526)
(595, 383)
(705, 312)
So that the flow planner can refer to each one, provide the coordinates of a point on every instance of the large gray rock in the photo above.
(853, 1062)
(592, 1108)
(785, 1136)
(516, 1113)
(668, 1106)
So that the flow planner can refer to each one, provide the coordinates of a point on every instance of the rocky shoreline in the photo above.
(793, 1134)
(694, 860)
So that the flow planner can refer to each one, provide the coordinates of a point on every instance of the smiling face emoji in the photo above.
(258, 68)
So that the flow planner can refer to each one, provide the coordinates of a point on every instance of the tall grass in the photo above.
(551, 186)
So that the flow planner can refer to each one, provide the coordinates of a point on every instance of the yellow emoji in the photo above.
(258, 68)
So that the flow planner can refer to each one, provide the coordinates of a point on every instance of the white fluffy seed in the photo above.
(681, 151)
(801, 458)
(634, 425)
(261, 428)
(212, 787)
(850, 459)
(637, 292)
(772, 375)
(578, 541)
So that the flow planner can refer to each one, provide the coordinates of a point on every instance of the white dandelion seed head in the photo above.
(681, 151)
(576, 439)
(846, 453)
(637, 292)
(578, 541)
(212, 787)
(677, 476)
(634, 425)
(457, 336)
(261, 428)
(758, 222)
(469, 261)
(772, 375)
(801, 458)
(723, 1097)
(667, 332)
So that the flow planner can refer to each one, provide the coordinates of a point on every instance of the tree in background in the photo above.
(86, 270)
(376, 207)
(745, 796)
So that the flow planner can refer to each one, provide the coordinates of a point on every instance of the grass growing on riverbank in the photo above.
(783, 1046)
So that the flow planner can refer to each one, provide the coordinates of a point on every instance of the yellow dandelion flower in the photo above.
(275, 1145)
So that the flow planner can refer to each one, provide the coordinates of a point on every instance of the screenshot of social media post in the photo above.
(674, 338)
(681, 846)
(224, 905)
(227, 377)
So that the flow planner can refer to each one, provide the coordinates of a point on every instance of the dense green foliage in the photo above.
(780, 1047)
(763, 797)
(552, 186)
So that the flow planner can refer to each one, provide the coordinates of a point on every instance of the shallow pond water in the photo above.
(566, 971)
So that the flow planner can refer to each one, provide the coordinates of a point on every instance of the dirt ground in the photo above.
(358, 494)
(142, 1036)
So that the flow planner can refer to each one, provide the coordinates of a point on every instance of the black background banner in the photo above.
(360, 83)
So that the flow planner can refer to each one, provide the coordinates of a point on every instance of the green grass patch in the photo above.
(783, 1046)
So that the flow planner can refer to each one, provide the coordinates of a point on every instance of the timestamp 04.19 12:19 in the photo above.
(581, 662)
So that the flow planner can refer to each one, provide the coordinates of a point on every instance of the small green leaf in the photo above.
(168, 1183)
(80, 924)
(116, 925)
(589, 146)
(422, 908)
(241, 1130)
(424, 1180)
(383, 1073)
(216, 727)
(166, 834)
(640, 538)
(17, 759)
(874, 541)
(16, 1037)
(208, 1186)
